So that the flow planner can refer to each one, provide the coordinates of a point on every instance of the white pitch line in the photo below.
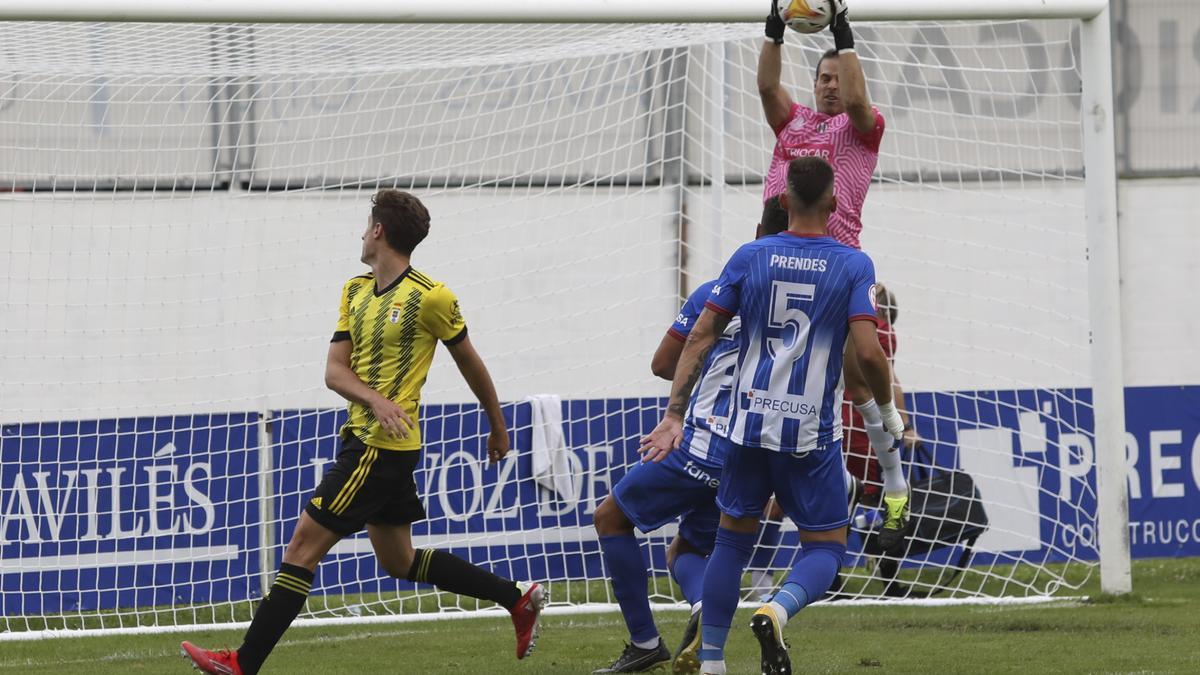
(596, 608)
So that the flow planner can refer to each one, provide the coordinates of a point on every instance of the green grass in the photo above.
(1152, 631)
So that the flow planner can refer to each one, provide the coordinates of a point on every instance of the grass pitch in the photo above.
(1154, 630)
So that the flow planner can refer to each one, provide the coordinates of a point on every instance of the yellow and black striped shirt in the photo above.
(394, 332)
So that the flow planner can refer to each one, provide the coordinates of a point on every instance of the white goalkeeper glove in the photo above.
(891, 420)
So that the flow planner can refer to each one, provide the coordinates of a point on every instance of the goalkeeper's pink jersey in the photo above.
(808, 133)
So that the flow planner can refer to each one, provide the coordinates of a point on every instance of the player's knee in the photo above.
(835, 536)
(744, 525)
(678, 547)
(774, 511)
(302, 552)
(397, 561)
(609, 520)
(309, 543)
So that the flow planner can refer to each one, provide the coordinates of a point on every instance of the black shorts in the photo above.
(367, 485)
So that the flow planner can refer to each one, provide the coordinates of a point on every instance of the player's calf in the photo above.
(609, 520)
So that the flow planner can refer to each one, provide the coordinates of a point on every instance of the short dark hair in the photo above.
(885, 299)
(807, 178)
(404, 219)
(829, 54)
(774, 217)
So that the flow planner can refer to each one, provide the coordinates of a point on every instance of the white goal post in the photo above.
(647, 169)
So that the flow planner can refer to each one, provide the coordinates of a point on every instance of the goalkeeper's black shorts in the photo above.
(367, 485)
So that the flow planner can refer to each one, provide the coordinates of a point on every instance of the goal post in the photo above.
(1104, 278)
(189, 179)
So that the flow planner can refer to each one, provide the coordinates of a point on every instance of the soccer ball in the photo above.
(806, 16)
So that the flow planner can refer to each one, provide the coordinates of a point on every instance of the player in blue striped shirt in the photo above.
(651, 495)
(800, 295)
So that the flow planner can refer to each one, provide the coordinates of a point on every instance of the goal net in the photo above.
(182, 203)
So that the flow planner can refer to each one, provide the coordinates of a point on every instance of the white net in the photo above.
(186, 202)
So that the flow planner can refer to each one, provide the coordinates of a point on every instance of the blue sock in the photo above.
(813, 574)
(768, 544)
(688, 572)
(722, 585)
(623, 557)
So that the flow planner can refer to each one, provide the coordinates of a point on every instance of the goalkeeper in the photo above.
(845, 130)
(389, 325)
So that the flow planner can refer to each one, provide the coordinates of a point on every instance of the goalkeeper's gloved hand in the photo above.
(775, 26)
(892, 420)
(843, 38)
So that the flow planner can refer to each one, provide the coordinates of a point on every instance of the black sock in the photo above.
(451, 573)
(275, 613)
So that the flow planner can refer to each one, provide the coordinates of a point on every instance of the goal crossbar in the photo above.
(526, 11)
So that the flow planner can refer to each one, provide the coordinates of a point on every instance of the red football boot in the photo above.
(223, 662)
(525, 615)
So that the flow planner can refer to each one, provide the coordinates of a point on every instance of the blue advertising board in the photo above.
(161, 511)
(1162, 456)
(493, 514)
(127, 512)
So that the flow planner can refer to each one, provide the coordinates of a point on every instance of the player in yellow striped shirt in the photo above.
(388, 327)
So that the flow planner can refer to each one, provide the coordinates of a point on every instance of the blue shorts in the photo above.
(652, 495)
(810, 488)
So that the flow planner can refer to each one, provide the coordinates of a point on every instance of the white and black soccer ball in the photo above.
(806, 16)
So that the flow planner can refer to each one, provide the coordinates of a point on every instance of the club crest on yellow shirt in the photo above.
(395, 316)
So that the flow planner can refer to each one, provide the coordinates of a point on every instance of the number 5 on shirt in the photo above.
(786, 313)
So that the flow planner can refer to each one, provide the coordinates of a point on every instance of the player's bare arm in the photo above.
(776, 103)
(340, 378)
(854, 93)
(473, 370)
(666, 357)
(877, 372)
(852, 84)
(669, 432)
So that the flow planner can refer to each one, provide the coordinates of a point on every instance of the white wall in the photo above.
(1160, 262)
(147, 305)
(223, 302)
(991, 282)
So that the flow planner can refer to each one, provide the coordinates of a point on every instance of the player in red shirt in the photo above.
(860, 461)
(846, 130)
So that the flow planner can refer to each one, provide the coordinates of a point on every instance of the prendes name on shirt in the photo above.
(789, 262)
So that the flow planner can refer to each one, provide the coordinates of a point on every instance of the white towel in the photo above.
(551, 461)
